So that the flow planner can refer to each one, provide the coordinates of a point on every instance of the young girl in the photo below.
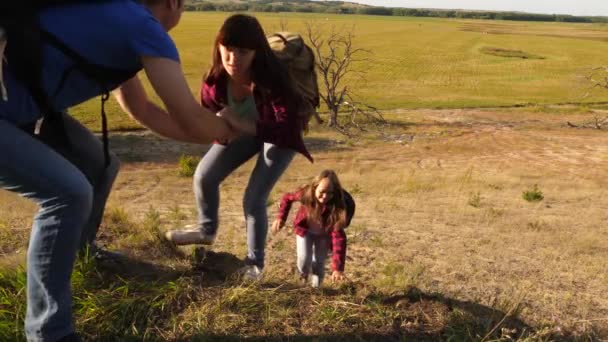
(325, 210)
(248, 78)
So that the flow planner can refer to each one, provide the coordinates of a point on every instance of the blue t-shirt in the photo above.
(114, 34)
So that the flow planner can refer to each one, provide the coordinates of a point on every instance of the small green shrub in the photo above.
(117, 221)
(151, 224)
(187, 165)
(533, 195)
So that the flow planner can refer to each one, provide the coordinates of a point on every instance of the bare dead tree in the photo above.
(598, 78)
(337, 57)
(597, 123)
(361, 113)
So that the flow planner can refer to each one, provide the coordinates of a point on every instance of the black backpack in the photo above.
(25, 41)
(349, 203)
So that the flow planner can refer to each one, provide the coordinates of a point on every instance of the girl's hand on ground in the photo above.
(337, 276)
(277, 225)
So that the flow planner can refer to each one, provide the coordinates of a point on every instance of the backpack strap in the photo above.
(102, 75)
(285, 42)
(4, 95)
(98, 73)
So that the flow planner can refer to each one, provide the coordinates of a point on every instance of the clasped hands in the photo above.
(236, 125)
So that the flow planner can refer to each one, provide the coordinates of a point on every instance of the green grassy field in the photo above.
(427, 63)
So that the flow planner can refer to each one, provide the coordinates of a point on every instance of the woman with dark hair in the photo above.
(247, 77)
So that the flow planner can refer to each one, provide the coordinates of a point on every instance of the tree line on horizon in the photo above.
(341, 7)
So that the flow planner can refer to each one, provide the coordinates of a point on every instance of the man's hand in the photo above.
(277, 225)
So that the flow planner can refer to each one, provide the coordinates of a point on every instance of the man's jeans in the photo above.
(71, 184)
(217, 164)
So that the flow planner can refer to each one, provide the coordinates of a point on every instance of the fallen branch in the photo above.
(596, 124)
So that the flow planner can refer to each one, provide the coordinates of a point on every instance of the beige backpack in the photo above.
(299, 58)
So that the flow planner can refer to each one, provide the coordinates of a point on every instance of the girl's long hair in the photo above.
(267, 71)
(335, 216)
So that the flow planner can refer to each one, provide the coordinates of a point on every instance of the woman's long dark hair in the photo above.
(267, 71)
(335, 215)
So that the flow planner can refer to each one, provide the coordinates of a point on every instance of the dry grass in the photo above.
(443, 244)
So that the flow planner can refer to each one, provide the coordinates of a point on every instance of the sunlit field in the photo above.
(428, 62)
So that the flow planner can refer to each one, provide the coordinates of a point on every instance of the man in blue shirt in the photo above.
(67, 177)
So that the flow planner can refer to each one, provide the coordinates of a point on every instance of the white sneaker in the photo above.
(189, 237)
(315, 281)
(251, 273)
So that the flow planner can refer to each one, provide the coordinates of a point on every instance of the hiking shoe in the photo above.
(251, 272)
(189, 237)
(101, 254)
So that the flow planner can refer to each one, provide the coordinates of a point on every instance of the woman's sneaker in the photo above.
(251, 272)
(189, 237)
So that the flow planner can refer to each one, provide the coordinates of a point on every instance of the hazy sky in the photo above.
(574, 7)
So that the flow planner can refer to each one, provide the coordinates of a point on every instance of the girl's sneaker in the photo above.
(189, 237)
(315, 281)
(251, 272)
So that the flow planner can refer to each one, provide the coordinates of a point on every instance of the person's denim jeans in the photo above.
(217, 164)
(70, 183)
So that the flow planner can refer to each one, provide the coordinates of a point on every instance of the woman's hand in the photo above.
(337, 276)
(277, 225)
